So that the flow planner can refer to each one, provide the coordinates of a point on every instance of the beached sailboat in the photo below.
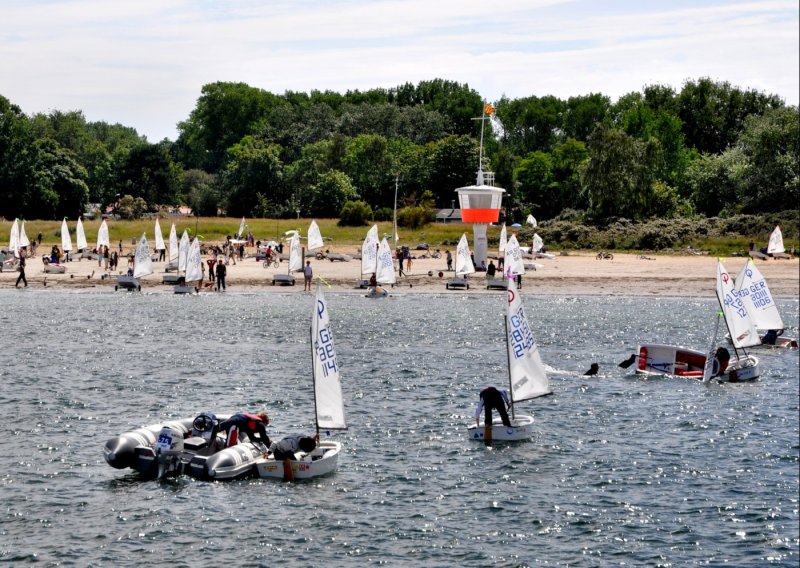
(142, 266)
(369, 252)
(751, 286)
(677, 361)
(80, 240)
(314, 236)
(384, 271)
(66, 238)
(23, 237)
(775, 246)
(102, 238)
(527, 378)
(464, 265)
(328, 406)
(159, 236)
(295, 261)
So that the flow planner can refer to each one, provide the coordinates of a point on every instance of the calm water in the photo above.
(623, 470)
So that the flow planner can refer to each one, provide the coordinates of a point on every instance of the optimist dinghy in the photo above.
(328, 403)
(527, 377)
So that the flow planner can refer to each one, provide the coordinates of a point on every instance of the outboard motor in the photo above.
(169, 447)
(203, 438)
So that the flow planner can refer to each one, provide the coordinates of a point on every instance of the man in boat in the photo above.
(285, 449)
(492, 398)
(254, 425)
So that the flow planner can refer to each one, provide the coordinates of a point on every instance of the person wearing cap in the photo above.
(254, 425)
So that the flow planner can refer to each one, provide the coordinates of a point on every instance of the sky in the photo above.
(143, 63)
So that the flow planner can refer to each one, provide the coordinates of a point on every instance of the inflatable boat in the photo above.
(190, 446)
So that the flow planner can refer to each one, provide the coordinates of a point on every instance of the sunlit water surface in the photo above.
(622, 471)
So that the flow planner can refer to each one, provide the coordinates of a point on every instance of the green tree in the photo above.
(329, 195)
(617, 178)
(453, 163)
(147, 171)
(253, 167)
(57, 187)
(368, 164)
(535, 184)
(355, 214)
(15, 154)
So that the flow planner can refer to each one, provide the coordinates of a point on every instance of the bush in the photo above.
(384, 214)
(415, 217)
(355, 214)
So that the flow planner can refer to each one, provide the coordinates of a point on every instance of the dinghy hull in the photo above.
(521, 429)
(669, 360)
(322, 461)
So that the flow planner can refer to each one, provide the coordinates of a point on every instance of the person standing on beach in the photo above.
(308, 274)
(21, 269)
(449, 261)
(211, 262)
(221, 270)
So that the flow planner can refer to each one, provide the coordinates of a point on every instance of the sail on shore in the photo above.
(13, 239)
(513, 262)
(23, 238)
(314, 236)
(194, 262)
(80, 236)
(327, 380)
(754, 292)
(528, 378)
(66, 239)
(102, 237)
(776, 241)
(463, 258)
(369, 251)
(174, 248)
(183, 251)
(159, 236)
(384, 273)
(295, 254)
(503, 239)
(142, 263)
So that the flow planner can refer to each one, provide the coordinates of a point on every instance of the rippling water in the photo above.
(623, 470)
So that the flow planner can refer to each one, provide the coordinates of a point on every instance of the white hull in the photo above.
(656, 359)
(521, 429)
(322, 461)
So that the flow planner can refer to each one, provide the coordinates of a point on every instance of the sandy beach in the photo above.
(575, 273)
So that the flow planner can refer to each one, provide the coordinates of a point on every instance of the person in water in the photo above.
(254, 425)
(286, 448)
(491, 398)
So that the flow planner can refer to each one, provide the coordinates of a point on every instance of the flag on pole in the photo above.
(488, 109)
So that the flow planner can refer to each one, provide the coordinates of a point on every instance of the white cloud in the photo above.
(143, 63)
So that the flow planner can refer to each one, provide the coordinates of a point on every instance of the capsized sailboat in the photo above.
(527, 378)
(751, 286)
(676, 361)
(328, 406)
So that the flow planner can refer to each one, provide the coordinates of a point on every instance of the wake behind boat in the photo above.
(527, 377)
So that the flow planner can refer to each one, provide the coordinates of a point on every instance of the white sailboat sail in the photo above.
(66, 239)
(503, 238)
(295, 254)
(194, 262)
(183, 251)
(775, 241)
(369, 251)
(13, 239)
(538, 243)
(531, 221)
(754, 292)
(174, 249)
(80, 236)
(384, 273)
(742, 329)
(240, 235)
(23, 238)
(102, 237)
(527, 376)
(159, 237)
(327, 381)
(314, 236)
(514, 263)
(142, 263)
(463, 259)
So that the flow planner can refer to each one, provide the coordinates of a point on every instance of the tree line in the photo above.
(710, 149)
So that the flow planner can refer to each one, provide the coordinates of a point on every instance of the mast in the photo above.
(728, 327)
(394, 220)
(313, 360)
(508, 366)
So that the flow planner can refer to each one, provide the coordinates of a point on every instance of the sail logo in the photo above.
(325, 352)
(520, 334)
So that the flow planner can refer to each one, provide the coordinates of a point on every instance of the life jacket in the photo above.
(252, 419)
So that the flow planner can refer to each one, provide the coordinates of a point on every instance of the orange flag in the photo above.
(488, 109)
